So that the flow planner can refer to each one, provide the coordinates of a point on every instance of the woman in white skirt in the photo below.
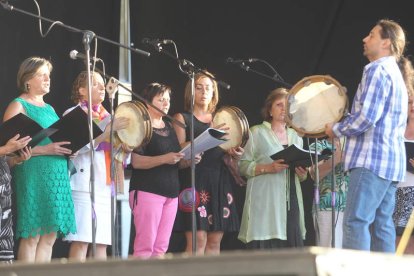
(80, 180)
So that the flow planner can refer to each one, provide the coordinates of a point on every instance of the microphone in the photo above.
(156, 42)
(241, 61)
(223, 84)
(76, 55)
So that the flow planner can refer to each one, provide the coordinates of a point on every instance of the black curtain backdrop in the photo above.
(299, 38)
(20, 38)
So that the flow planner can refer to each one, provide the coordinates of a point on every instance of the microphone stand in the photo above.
(333, 194)
(9, 7)
(86, 40)
(316, 192)
(115, 251)
(188, 68)
(276, 77)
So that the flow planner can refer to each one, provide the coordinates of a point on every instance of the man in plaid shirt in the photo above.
(375, 152)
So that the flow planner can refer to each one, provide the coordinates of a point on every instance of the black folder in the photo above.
(297, 157)
(74, 127)
(409, 150)
(25, 126)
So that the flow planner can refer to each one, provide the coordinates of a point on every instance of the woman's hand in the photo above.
(236, 153)
(56, 148)
(172, 158)
(277, 166)
(23, 155)
(187, 163)
(126, 148)
(14, 144)
(73, 156)
(302, 173)
(197, 158)
(224, 128)
(120, 123)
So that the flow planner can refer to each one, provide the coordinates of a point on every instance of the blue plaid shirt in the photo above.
(375, 128)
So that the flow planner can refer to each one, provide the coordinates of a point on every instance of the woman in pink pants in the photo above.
(154, 183)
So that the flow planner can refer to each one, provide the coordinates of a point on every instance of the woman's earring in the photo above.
(27, 87)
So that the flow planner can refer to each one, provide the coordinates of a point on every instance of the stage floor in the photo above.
(304, 262)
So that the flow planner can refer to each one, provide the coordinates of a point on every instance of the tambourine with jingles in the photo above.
(313, 102)
(139, 130)
(235, 119)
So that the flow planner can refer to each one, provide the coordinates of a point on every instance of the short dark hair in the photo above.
(154, 89)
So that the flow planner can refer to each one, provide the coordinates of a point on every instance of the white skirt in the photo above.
(82, 204)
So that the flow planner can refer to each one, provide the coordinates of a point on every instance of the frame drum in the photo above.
(235, 119)
(313, 102)
(139, 130)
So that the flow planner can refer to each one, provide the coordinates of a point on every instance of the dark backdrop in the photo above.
(299, 38)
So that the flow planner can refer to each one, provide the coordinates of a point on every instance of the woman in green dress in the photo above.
(273, 210)
(42, 187)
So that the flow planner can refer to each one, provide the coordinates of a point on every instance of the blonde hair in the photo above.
(81, 81)
(28, 69)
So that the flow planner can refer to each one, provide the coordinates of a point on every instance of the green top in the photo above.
(42, 187)
(265, 208)
(325, 184)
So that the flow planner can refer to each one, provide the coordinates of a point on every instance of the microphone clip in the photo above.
(112, 87)
(157, 43)
(241, 62)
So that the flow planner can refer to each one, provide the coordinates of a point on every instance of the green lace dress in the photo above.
(42, 186)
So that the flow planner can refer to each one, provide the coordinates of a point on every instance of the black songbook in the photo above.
(409, 151)
(297, 157)
(25, 126)
(74, 127)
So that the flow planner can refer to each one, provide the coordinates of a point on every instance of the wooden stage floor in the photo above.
(309, 261)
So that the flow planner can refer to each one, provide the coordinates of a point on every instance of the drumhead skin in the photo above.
(235, 119)
(313, 102)
(139, 130)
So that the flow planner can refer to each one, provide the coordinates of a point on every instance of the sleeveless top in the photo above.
(42, 187)
(161, 180)
(215, 205)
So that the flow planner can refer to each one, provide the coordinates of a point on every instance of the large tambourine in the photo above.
(139, 130)
(235, 119)
(313, 102)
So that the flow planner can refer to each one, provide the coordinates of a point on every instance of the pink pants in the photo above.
(154, 217)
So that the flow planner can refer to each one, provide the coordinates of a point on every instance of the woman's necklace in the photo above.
(281, 134)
